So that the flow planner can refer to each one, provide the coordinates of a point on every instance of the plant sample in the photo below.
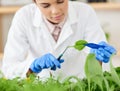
(95, 80)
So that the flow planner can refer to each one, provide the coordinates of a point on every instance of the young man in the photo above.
(41, 31)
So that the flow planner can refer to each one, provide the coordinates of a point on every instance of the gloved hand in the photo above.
(103, 54)
(44, 62)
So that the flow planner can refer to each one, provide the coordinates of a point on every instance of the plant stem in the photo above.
(63, 52)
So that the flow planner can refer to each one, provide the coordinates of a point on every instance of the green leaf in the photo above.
(106, 84)
(93, 71)
(92, 66)
(80, 44)
(114, 74)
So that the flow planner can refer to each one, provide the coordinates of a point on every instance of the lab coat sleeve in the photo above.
(93, 31)
(16, 49)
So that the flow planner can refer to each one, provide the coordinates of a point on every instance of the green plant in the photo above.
(96, 79)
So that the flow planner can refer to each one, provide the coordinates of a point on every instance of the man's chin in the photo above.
(54, 22)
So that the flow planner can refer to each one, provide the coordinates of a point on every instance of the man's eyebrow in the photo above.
(43, 3)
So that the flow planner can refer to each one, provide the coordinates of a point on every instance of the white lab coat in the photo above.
(29, 38)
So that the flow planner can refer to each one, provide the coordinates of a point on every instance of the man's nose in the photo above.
(55, 10)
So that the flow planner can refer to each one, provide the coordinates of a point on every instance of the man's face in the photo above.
(54, 10)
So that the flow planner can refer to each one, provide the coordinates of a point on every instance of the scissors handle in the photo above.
(62, 53)
(59, 56)
(94, 46)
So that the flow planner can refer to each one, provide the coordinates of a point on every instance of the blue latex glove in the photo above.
(104, 52)
(44, 62)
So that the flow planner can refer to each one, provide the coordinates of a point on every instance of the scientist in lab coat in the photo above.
(41, 31)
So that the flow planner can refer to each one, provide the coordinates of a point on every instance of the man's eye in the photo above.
(45, 5)
(60, 1)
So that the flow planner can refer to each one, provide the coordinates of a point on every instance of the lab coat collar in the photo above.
(72, 16)
(67, 30)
